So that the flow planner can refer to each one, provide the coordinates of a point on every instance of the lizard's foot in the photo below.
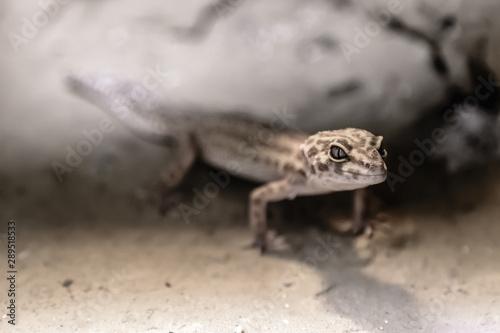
(368, 226)
(269, 241)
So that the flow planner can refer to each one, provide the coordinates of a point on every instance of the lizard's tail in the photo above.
(130, 103)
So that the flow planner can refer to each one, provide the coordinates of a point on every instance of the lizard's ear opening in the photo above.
(381, 149)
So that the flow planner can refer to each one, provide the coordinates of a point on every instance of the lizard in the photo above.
(287, 161)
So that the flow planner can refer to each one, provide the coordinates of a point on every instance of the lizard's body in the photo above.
(290, 163)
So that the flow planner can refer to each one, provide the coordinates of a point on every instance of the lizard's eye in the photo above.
(337, 154)
(381, 150)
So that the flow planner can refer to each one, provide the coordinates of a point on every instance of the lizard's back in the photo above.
(248, 147)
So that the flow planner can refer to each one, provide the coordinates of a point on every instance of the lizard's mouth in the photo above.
(361, 175)
(368, 179)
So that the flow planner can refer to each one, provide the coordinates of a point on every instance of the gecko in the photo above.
(289, 163)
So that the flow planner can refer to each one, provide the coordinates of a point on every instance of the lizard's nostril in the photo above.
(368, 165)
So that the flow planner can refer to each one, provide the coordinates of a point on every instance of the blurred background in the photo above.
(94, 255)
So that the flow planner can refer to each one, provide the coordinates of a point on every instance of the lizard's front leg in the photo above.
(259, 198)
(363, 216)
(361, 211)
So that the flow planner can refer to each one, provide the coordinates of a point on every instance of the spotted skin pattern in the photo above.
(316, 173)
(289, 163)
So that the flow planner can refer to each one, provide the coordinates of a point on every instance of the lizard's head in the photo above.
(350, 156)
